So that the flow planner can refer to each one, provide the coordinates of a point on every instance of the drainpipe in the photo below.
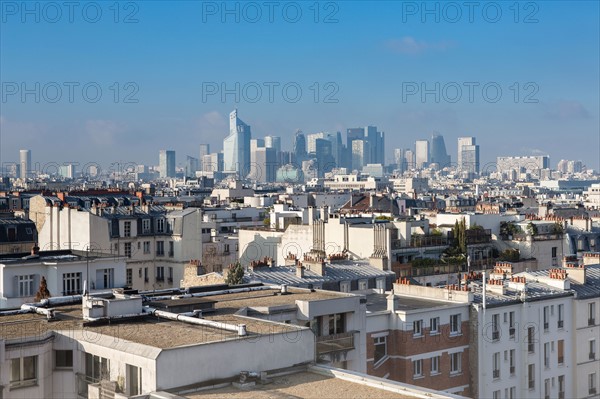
(240, 329)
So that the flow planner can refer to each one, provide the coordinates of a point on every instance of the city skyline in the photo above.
(175, 112)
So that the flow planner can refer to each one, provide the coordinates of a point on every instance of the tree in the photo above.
(42, 292)
(532, 229)
(235, 274)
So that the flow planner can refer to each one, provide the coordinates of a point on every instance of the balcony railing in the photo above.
(496, 373)
(335, 343)
(591, 322)
(512, 370)
(592, 355)
(531, 384)
(495, 335)
(419, 241)
(592, 391)
(82, 384)
(561, 323)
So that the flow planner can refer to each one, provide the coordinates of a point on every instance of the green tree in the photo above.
(235, 274)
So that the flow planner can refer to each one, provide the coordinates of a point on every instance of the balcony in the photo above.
(419, 241)
(335, 343)
(170, 280)
(561, 395)
(592, 355)
(495, 335)
(591, 322)
(82, 384)
(160, 279)
(496, 373)
(561, 324)
(171, 254)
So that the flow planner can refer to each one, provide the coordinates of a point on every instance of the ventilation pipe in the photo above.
(240, 329)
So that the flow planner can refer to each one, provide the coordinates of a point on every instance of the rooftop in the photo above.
(161, 333)
(66, 255)
(378, 303)
(318, 382)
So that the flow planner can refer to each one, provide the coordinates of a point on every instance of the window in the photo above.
(591, 314)
(345, 286)
(380, 344)
(417, 368)
(160, 248)
(435, 365)
(105, 278)
(127, 249)
(128, 276)
(455, 362)
(160, 273)
(496, 365)
(418, 327)
(23, 371)
(511, 361)
(160, 225)
(554, 251)
(171, 249)
(25, 285)
(547, 388)
(531, 339)
(145, 274)
(146, 247)
(531, 376)
(592, 384)
(547, 354)
(546, 318)
(511, 324)
(134, 380)
(561, 312)
(199, 270)
(336, 324)
(127, 228)
(561, 351)
(146, 226)
(561, 386)
(496, 395)
(592, 349)
(96, 368)
(434, 325)
(170, 275)
(513, 393)
(63, 359)
(362, 285)
(455, 324)
(71, 283)
(496, 327)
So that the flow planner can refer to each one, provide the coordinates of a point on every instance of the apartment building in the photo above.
(420, 335)
(16, 234)
(65, 272)
(155, 242)
(115, 343)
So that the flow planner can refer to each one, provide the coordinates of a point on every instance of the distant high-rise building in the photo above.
(166, 163)
(361, 154)
(204, 150)
(192, 165)
(375, 139)
(299, 149)
(273, 142)
(67, 171)
(409, 157)
(421, 153)
(212, 162)
(236, 147)
(468, 155)
(24, 163)
(437, 152)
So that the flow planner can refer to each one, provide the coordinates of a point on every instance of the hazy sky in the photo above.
(161, 68)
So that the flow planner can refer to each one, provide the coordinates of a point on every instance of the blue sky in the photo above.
(366, 57)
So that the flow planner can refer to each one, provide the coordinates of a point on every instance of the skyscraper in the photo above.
(299, 148)
(468, 155)
(166, 163)
(422, 153)
(192, 164)
(361, 154)
(236, 147)
(438, 152)
(375, 139)
(24, 163)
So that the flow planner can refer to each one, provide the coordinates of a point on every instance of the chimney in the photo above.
(591, 258)
(311, 215)
(299, 270)
(60, 196)
(371, 200)
(391, 302)
(35, 250)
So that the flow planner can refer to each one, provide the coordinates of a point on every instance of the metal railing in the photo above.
(335, 343)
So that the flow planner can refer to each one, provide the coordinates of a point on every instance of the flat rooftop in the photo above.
(301, 385)
(162, 333)
(378, 302)
(65, 255)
